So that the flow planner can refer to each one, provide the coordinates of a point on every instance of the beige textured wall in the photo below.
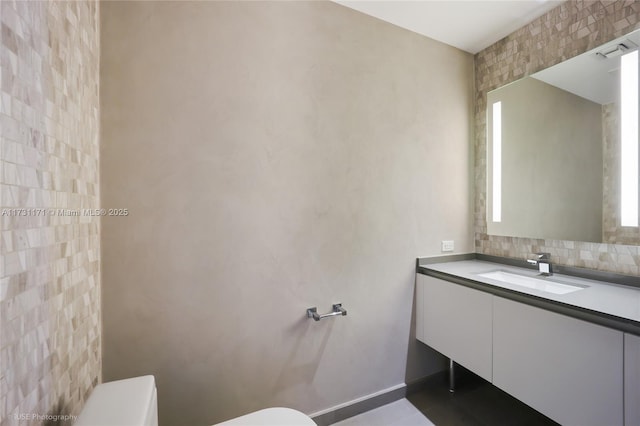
(551, 152)
(572, 28)
(50, 353)
(273, 156)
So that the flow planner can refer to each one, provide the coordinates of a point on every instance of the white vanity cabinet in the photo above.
(631, 380)
(568, 369)
(455, 321)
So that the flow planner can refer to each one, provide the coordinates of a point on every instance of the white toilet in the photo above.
(123, 402)
(134, 402)
(277, 416)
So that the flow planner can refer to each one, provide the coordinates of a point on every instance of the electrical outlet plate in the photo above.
(447, 245)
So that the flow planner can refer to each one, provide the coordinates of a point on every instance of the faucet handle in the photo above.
(540, 257)
(543, 256)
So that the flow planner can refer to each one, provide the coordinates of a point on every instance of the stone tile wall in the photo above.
(50, 321)
(570, 29)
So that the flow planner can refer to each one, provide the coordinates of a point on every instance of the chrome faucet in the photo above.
(543, 260)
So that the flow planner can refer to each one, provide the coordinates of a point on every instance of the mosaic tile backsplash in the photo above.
(570, 29)
(50, 323)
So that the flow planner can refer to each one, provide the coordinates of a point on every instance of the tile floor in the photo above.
(476, 402)
(398, 413)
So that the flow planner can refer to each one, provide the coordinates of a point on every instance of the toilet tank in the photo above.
(123, 402)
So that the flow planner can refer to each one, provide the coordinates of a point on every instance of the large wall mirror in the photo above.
(562, 150)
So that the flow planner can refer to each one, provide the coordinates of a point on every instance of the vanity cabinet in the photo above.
(569, 370)
(574, 371)
(631, 380)
(455, 321)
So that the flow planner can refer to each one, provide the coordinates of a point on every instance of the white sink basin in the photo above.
(541, 284)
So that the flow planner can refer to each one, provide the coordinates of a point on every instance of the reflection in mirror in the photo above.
(629, 139)
(562, 150)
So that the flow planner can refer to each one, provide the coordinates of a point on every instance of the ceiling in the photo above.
(470, 25)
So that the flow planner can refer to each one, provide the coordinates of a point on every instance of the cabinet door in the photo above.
(631, 380)
(457, 323)
(567, 369)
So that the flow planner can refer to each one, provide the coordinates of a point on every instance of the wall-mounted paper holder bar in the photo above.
(337, 310)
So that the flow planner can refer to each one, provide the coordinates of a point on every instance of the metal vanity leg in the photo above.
(452, 376)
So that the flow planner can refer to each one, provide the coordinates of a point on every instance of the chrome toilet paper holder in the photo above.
(337, 310)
